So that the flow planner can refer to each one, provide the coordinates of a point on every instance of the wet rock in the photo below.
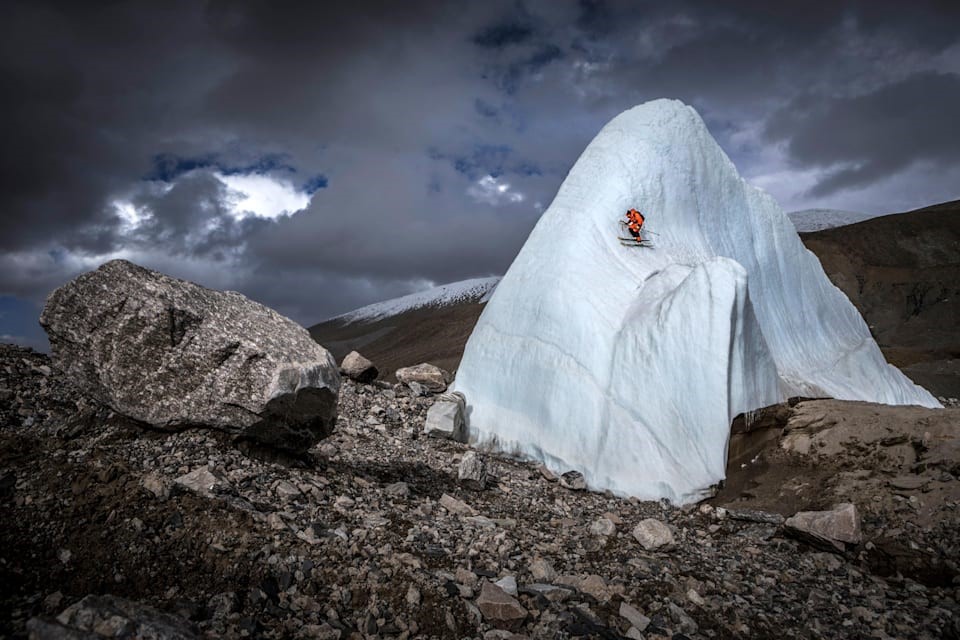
(173, 354)
(430, 377)
(829, 529)
(445, 418)
(358, 368)
(472, 471)
(499, 608)
(653, 534)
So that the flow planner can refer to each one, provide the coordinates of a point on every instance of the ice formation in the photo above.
(628, 364)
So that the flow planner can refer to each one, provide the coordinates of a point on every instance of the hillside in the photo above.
(428, 326)
(902, 272)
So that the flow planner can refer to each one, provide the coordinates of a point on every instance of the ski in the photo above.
(630, 242)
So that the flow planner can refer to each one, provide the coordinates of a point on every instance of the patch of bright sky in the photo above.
(493, 191)
(262, 196)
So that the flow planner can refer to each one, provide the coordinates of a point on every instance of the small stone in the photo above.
(358, 368)
(542, 571)
(397, 489)
(413, 596)
(430, 377)
(472, 471)
(64, 555)
(286, 491)
(603, 527)
(202, 481)
(508, 584)
(573, 480)
(499, 608)
(548, 475)
(156, 485)
(653, 534)
(455, 506)
(634, 617)
(466, 577)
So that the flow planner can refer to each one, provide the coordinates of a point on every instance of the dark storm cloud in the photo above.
(874, 135)
(430, 135)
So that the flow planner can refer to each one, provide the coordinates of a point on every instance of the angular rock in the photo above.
(603, 527)
(653, 534)
(542, 571)
(458, 507)
(499, 608)
(472, 471)
(110, 616)
(508, 584)
(445, 418)
(430, 377)
(202, 481)
(358, 368)
(827, 529)
(633, 616)
(573, 480)
(173, 354)
(751, 515)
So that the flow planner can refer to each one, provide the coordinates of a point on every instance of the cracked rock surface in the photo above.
(171, 354)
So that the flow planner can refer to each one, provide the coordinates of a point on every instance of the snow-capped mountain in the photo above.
(473, 290)
(628, 364)
(818, 219)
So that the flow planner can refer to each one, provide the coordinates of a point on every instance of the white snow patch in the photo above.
(629, 364)
(473, 290)
(820, 219)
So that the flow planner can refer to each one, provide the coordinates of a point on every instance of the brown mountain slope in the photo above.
(430, 334)
(901, 271)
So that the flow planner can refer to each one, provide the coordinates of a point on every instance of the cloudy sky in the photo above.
(318, 158)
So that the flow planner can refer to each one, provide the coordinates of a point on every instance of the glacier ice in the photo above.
(628, 364)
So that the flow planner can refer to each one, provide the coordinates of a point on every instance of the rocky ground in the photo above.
(373, 535)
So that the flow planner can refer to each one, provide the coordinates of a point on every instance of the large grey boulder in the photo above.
(173, 354)
(430, 377)
(445, 417)
(358, 368)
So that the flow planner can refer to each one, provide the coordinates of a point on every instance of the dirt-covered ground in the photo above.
(374, 536)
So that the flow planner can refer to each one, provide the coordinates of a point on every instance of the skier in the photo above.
(634, 224)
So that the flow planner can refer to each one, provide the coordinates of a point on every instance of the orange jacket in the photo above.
(635, 217)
